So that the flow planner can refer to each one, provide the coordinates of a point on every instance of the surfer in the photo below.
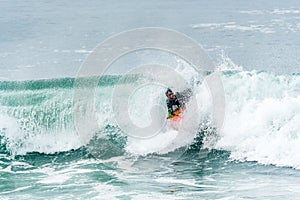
(176, 103)
(175, 107)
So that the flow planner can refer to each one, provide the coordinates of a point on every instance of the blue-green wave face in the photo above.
(262, 112)
(38, 115)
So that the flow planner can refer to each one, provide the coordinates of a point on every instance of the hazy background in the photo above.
(45, 39)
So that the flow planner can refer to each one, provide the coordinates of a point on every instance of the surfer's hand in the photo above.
(170, 116)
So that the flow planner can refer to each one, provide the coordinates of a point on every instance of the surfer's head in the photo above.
(169, 93)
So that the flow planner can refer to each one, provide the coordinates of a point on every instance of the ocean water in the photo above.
(255, 48)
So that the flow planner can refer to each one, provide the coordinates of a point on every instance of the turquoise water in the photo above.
(255, 47)
(73, 175)
(42, 156)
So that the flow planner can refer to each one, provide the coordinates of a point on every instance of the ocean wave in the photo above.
(261, 123)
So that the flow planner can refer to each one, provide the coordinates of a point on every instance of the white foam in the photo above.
(285, 11)
(252, 27)
(54, 176)
(18, 142)
(16, 190)
(187, 182)
(212, 25)
(262, 118)
(84, 51)
(226, 64)
(160, 143)
(274, 11)
(232, 26)
(253, 12)
(55, 179)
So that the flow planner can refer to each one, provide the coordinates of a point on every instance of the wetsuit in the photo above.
(173, 105)
(179, 101)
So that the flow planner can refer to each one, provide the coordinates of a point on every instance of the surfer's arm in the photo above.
(170, 110)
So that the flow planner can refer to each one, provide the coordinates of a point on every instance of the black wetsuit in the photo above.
(179, 100)
(173, 104)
